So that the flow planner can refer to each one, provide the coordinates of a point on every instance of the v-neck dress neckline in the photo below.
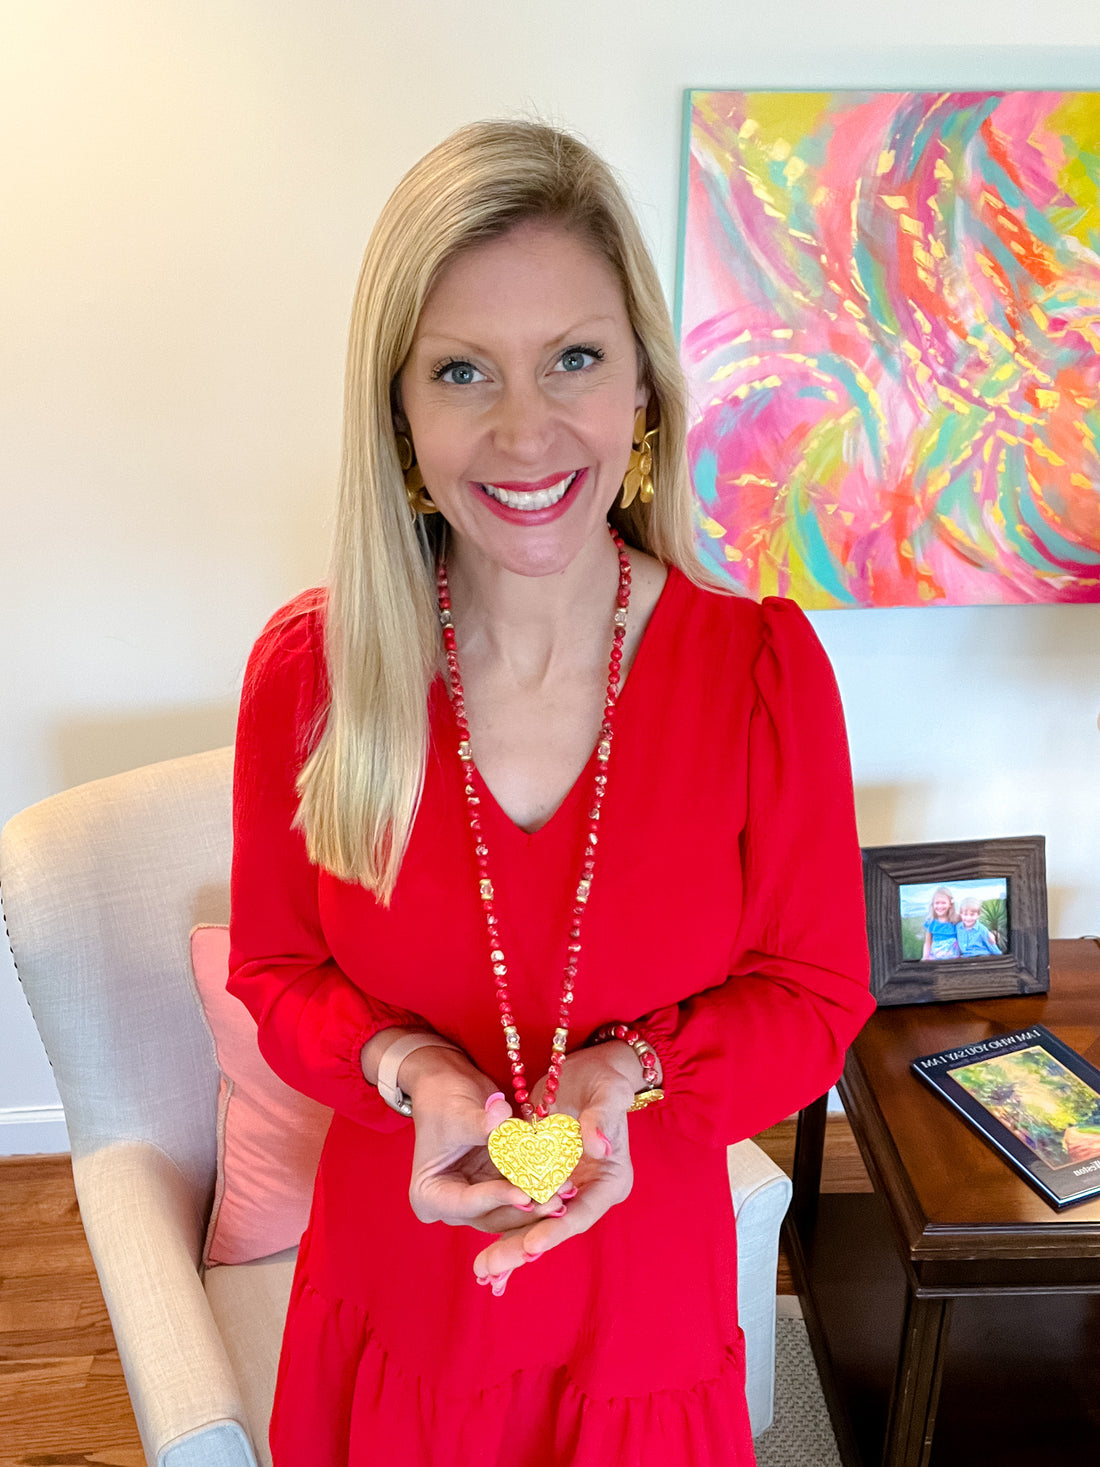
(502, 822)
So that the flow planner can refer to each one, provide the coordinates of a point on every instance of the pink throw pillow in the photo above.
(269, 1136)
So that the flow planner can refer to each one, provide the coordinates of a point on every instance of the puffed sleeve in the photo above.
(739, 1057)
(312, 1020)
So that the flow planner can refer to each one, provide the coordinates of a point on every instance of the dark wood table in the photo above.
(962, 1223)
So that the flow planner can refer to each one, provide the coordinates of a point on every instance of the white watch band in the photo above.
(390, 1063)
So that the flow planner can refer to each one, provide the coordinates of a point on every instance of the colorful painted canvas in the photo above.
(889, 308)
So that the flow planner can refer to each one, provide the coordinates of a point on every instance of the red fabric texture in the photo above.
(726, 920)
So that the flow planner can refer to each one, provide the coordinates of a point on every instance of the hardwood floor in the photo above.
(63, 1401)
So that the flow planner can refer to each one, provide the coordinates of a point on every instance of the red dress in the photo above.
(726, 913)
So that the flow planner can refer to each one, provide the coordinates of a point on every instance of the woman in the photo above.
(461, 856)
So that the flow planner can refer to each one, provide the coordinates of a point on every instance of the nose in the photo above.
(522, 423)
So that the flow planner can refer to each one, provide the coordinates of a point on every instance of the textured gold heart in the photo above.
(537, 1155)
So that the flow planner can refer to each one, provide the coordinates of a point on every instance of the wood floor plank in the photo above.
(63, 1401)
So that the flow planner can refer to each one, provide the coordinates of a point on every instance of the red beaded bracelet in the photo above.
(647, 1056)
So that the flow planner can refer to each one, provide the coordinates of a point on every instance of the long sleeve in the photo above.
(312, 1020)
(739, 1057)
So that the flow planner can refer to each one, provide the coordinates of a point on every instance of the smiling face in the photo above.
(940, 905)
(969, 916)
(519, 393)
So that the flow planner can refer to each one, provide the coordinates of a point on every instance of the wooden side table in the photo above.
(963, 1224)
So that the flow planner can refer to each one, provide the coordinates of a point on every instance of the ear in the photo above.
(643, 394)
(400, 422)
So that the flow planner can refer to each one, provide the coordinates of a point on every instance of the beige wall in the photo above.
(185, 190)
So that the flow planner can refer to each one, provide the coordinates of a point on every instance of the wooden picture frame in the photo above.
(1018, 862)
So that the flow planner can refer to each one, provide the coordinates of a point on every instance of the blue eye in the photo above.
(579, 357)
(458, 374)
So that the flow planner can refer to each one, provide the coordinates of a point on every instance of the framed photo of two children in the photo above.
(965, 919)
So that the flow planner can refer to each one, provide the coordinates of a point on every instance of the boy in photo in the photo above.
(974, 939)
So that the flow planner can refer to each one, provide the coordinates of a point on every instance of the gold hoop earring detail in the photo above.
(638, 480)
(415, 491)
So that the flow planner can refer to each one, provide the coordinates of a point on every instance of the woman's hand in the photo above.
(453, 1180)
(597, 1086)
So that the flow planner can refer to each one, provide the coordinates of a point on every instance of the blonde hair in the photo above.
(970, 904)
(951, 915)
(361, 786)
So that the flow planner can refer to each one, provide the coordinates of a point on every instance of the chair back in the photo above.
(101, 886)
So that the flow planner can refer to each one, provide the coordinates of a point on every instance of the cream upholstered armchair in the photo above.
(101, 887)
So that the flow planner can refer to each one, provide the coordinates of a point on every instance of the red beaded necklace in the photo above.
(588, 863)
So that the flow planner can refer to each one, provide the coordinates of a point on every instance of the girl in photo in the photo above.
(940, 937)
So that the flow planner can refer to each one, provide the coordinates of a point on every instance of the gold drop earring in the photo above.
(638, 480)
(415, 489)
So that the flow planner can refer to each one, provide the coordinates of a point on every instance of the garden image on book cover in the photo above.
(1040, 1101)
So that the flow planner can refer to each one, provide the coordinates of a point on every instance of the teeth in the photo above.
(540, 499)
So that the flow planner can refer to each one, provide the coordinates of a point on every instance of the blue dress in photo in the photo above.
(944, 942)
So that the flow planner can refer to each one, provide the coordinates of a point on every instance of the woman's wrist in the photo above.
(395, 1059)
(648, 1061)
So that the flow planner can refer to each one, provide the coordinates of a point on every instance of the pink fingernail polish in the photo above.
(526, 1206)
(606, 1143)
(479, 1279)
(558, 1211)
(496, 1095)
(568, 1193)
(500, 1283)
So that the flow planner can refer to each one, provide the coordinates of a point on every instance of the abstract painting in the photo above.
(889, 314)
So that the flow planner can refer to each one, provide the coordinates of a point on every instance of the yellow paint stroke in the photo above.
(748, 129)
(1048, 398)
(922, 321)
(713, 528)
(952, 399)
(732, 552)
(895, 201)
(1038, 446)
(909, 225)
(885, 162)
(941, 170)
(745, 479)
(1081, 481)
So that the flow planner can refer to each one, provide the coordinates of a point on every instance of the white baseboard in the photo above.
(32, 1130)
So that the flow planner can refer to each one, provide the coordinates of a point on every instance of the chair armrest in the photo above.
(146, 1237)
(761, 1194)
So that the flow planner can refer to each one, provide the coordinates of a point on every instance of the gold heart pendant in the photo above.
(537, 1155)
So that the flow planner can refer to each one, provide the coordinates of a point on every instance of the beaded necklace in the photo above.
(535, 1149)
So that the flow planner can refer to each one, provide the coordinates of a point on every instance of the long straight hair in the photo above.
(361, 786)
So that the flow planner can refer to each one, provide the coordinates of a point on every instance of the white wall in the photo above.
(185, 191)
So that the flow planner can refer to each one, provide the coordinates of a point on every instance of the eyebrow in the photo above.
(572, 332)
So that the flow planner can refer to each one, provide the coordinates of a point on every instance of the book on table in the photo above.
(1035, 1100)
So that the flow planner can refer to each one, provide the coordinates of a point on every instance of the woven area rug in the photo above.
(801, 1434)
